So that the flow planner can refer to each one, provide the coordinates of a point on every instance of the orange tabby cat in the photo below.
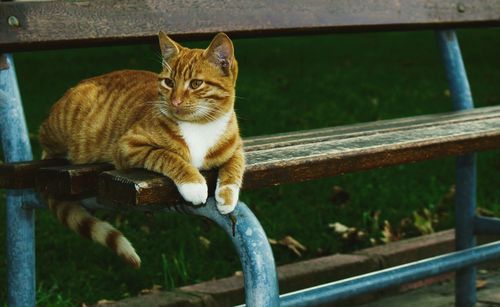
(174, 123)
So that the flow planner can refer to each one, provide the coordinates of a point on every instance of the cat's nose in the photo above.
(176, 102)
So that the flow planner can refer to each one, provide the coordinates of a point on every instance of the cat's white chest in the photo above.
(201, 137)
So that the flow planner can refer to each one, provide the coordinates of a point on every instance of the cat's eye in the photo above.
(194, 84)
(167, 82)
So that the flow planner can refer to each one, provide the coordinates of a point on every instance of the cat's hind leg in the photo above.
(52, 146)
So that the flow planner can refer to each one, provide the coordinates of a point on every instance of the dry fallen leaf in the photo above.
(423, 222)
(484, 212)
(155, 288)
(104, 302)
(338, 227)
(204, 242)
(481, 283)
(288, 241)
(348, 233)
(238, 273)
(388, 234)
(293, 244)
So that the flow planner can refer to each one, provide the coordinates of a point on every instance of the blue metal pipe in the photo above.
(252, 245)
(343, 289)
(461, 95)
(465, 197)
(20, 221)
(250, 241)
(486, 225)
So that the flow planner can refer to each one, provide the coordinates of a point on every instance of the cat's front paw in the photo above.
(226, 197)
(195, 193)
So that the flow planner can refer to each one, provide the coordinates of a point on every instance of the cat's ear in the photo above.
(169, 48)
(221, 52)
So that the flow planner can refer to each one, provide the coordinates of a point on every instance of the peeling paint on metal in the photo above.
(20, 220)
(249, 232)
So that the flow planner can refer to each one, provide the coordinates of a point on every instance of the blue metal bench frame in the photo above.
(258, 264)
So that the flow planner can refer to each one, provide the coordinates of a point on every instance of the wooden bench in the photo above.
(273, 159)
(278, 159)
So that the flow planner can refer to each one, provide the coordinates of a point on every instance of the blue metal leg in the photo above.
(20, 220)
(465, 199)
(251, 243)
(259, 270)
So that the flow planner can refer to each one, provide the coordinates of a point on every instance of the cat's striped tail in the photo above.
(82, 222)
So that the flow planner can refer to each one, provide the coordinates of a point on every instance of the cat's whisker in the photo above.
(163, 62)
(205, 113)
(212, 112)
(157, 57)
(233, 96)
(157, 112)
(166, 65)
(160, 108)
(155, 102)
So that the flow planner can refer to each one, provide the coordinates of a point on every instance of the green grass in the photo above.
(285, 84)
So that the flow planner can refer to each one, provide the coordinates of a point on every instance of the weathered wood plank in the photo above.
(71, 181)
(139, 186)
(333, 158)
(291, 157)
(413, 140)
(56, 24)
(365, 129)
(21, 175)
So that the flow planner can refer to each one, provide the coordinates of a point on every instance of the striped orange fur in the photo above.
(175, 123)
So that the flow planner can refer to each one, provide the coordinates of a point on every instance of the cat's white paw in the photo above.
(195, 193)
(226, 197)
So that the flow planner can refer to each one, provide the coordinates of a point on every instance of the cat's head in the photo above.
(197, 85)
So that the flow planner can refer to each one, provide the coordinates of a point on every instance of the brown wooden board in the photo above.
(21, 175)
(71, 181)
(363, 129)
(139, 186)
(326, 152)
(59, 24)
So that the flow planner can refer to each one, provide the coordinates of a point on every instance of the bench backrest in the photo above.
(61, 24)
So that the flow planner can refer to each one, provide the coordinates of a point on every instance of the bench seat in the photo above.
(280, 158)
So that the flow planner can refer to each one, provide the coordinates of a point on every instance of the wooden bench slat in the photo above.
(378, 140)
(449, 134)
(305, 162)
(364, 129)
(51, 24)
(70, 181)
(139, 186)
(21, 175)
